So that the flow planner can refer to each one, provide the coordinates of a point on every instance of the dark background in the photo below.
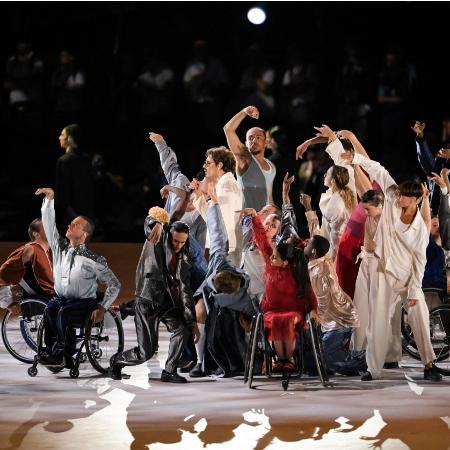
(110, 40)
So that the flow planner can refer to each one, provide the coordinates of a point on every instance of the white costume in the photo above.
(229, 196)
(394, 273)
(334, 213)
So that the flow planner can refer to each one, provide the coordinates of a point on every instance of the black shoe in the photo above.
(432, 374)
(188, 367)
(391, 365)
(197, 371)
(366, 376)
(51, 360)
(168, 377)
(115, 369)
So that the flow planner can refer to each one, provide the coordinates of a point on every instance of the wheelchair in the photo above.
(19, 331)
(97, 342)
(258, 341)
(438, 304)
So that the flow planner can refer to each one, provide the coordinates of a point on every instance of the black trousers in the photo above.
(146, 320)
(61, 314)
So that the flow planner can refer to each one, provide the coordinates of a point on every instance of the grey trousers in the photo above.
(147, 320)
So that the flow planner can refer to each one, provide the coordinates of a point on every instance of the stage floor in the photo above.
(92, 412)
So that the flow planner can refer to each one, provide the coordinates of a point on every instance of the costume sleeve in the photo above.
(313, 223)
(49, 224)
(171, 169)
(444, 220)
(376, 171)
(259, 235)
(217, 233)
(106, 276)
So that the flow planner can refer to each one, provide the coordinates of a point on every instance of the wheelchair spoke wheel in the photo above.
(19, 332)
(316, 344)
(104, 340)
(440, 337)
(438, 320)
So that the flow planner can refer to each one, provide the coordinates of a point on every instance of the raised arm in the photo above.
(216, 227)
(171, 169)
(239, 150)
(375, 170)
(259, 234)
(425, 209)
(426, 159)
(311, 216)
(48, 219)
(304, 146)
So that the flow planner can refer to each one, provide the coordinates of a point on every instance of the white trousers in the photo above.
(379, 310)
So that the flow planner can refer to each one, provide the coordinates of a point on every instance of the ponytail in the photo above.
(348, 197)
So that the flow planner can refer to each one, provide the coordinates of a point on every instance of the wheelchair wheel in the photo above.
(19, 333)
(316, 344)
(440, 337)
(254, 344)
(103, 340)
(32, 371)
(438, 316)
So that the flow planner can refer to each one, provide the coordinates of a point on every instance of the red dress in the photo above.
(281, 305)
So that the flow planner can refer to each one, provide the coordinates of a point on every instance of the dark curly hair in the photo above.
(224, 156)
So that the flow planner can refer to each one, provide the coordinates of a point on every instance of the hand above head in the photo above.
(155, 137)
(418, 128)
(287, 181)
(444, 176)
(251, 111)
(325, 131)
(438, 180)
(49, 194)
(247, 212)
(345, 134)
(444, 153)
(305, 200)
(301, 149)
(155, 234)
(425, 191)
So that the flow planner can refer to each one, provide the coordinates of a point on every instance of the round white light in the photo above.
(256, 16)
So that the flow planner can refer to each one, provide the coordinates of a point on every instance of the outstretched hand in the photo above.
(444, 153)
(438, 180)
(305, 200)
(247, 212)
(49, 194)
(325, 131)
(418, 128)
(287, 182)
(155, 137)
(252, 111)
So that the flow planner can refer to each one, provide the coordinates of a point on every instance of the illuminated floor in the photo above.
(92, 412)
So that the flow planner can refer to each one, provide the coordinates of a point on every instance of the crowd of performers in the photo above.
(220, 251)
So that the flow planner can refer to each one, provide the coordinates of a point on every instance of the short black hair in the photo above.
(34, 228)
(89, 227)
(74, 131)
(372, 197)
(321, 245)
(180, 227)
(410, 189)
(346, 143)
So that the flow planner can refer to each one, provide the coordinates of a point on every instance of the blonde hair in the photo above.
(341, 178)
(160, 214)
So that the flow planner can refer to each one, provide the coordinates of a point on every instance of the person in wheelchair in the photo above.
(76, 271)
(288, 293)
(28, 270)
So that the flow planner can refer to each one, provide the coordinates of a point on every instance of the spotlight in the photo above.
(256, 16)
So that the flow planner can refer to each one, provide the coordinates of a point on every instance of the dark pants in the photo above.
(61, 314)
(226, 339)
(146, 320)
(335, 346)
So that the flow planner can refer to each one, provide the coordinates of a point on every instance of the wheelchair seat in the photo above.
(97, 343)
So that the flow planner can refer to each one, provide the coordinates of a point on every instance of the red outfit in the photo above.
(281, 305)
(352, 240)
(38, 274)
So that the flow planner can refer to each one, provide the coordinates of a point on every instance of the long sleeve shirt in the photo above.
(77, 270)
(401, 248)
(229, 196)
